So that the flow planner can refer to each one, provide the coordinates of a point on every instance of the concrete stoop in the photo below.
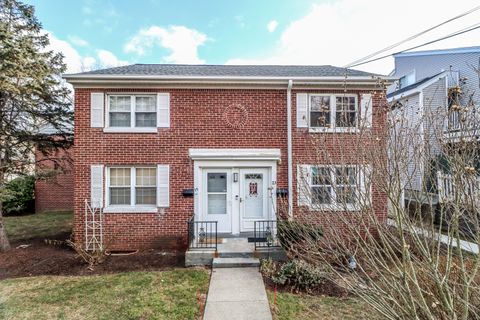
(232, 252)
(235, 262)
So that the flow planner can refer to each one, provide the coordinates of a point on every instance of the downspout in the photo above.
(289, 150)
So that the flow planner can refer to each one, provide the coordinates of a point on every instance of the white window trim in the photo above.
(333, 114)
(121, 208)
(132, 128)
(335, 206)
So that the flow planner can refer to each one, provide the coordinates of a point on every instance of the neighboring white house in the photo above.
(420, 103)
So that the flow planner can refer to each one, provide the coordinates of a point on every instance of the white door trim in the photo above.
(235, 165)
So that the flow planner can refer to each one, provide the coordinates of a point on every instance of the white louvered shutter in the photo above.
(302, 110)
(366, 173)
(303, 185)
(366, 109)
(163, 110)
(97, 102)
(163, 185)
(96, 186)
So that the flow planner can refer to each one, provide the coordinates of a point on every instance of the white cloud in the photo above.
(182, 41)
(89, 63)
(78, 63)
(340, 32)
(108, 59)
(272, 25)
(77, 41)
(73, 60)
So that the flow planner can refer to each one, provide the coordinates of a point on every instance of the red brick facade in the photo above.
(54, 193)
(197, 121)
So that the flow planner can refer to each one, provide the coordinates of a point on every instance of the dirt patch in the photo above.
(40, 258)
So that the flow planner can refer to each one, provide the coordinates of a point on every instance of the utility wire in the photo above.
(471, 28)
(354, 63)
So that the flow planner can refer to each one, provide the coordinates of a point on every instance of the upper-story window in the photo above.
(130, 111)
(333, 111)
(406, 80)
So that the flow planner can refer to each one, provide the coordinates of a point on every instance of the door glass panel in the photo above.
(217, 204)
(217, 192)
(217, 182)
(254, 195)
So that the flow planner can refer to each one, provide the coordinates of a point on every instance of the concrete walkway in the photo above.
(464, 245)
(237, 294)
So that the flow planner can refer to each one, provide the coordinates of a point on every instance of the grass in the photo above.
(42, 225)
(133, 295)
(303, 307)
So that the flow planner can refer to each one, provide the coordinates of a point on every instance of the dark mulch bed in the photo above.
(328, 288)
(47, 259)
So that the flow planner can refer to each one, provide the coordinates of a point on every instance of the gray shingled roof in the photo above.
(412, 86)
(228, 70)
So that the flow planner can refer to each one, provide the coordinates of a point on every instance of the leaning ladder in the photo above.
(93, 228)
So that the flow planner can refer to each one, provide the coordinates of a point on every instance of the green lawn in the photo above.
(303, 307)
(41, 225)
(132, 295)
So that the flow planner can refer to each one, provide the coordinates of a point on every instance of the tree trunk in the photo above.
(4, 243)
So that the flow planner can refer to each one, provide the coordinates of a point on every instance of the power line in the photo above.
(412, 37)
(471, 28)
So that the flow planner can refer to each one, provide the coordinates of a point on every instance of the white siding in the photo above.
(409, 128)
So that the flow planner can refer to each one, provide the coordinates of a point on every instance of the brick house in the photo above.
(158, 145)
(54, 191)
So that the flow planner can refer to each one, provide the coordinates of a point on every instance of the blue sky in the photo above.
(103, 33)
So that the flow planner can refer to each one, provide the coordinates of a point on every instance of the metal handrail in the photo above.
(265, 234)
(202, 234)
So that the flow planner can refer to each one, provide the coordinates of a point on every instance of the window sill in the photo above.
(334, 208)
(130, 130)
(130, 209)
(333, 130)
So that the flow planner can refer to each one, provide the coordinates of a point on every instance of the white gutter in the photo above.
(289, 149)
(241, 78)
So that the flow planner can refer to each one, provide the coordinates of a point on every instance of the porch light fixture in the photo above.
(235, 177)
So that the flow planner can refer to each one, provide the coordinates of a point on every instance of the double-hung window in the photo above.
(132, 186)
(334, 187)
(331, 112)
(132, 111)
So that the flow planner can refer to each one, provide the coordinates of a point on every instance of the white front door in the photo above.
(254, 197)
(217, 198)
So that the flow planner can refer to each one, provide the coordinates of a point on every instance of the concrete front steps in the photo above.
(232, 252)
(235, 262)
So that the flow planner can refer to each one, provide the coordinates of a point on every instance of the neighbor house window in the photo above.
(334, 186)
(333, 111)
(132, 186)
(406, 80)
(132, 111)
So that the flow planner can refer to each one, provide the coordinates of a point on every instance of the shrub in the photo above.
(18, 195)
(296, 274)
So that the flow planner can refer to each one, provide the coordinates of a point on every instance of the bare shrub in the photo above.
(391, 232)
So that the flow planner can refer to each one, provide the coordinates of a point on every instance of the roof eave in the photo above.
(417, 89)
(123, 79)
